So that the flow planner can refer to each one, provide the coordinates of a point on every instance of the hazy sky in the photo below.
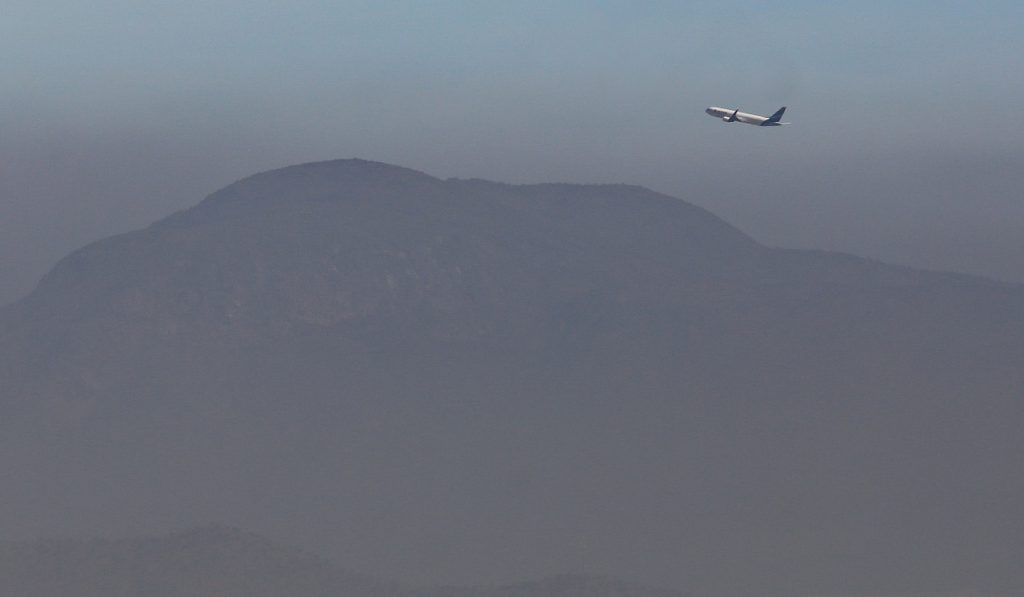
(907, 142)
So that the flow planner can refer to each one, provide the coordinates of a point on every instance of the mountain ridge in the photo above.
(473, 382)
(220, 561)
(352, 167)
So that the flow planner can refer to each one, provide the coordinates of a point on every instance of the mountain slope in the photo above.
(463, 382)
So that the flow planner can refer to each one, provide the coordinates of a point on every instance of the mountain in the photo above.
(223, 562)
(466, 382)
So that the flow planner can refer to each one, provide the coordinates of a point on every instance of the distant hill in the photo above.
(557, 586)
(224, 562)
(466, 382)
(212, 561)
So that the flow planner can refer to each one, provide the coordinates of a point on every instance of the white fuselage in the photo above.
(728, 115)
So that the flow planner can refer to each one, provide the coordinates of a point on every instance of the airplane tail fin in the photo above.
(778, 115)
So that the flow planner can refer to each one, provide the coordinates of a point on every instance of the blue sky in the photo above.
(367, 70)
(117, 112)
(105, 55)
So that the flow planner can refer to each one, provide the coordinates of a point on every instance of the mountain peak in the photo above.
(325, 180)
(353, 168)
(342, 240)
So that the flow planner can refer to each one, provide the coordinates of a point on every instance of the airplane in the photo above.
(737, 116)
